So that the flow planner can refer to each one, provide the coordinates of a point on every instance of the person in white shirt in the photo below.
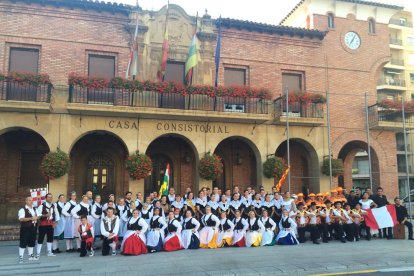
(366, 204)
(28, 227)
(270, 226)
(173, 241)
(134, 242)
(225, 234)
(87, 235)
(109, 231)
(96, 214)
(48, 218)
(189, 234)
(82, 209)
(239, 232)
(255, 230)
(208, 235)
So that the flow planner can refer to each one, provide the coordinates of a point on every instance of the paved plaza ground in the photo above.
(306, 259)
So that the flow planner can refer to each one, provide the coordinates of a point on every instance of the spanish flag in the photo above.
(165, 182)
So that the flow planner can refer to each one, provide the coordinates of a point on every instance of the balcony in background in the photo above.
(17, 96)
(396, 41)
(391, 83)
(401, 23)
(388, 119)
(152, 104)
(308, 114)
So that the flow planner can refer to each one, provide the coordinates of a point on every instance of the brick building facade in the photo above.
(68, 36)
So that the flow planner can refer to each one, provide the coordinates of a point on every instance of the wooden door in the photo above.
(101, 174)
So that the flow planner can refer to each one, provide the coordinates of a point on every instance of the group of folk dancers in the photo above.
(172, 222)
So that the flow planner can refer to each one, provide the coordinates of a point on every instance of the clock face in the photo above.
(352, 40)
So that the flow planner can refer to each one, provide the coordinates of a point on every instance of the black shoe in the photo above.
(325, 241)
(69, 251)
(411, 239)
(389, 238)
(78, 250)
(380, 235)
(343, 240)
(368, 238)
(316, 242)
(357, 239)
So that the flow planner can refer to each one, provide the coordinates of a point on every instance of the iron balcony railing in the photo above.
(17, 91)
(396, 41)
(401, 23)
(381, 114)
(399, 62)
(391, 81)
(298, 109)
(125, 97)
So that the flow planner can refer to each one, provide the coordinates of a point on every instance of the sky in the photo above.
(264, 11)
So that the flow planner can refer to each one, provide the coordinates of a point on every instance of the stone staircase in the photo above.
(9, 232)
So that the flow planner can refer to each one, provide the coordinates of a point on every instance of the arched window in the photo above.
(331, 21)
(371, 26)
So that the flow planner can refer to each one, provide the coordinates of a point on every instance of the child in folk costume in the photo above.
(326, 226)
(339, 217)
(155, 235)
(109, 232)
(225, 233)
(287, 231)
(28, 228)
(173, 241)
(239, 232)
(134, 242)
(87, 235)
(48, 218)
(190, 203)
(254, 231)
(69, 230)
(82, 209)
(313, 222)
(224, 205)
(358, 220)
(270, 227)
(58, 230)
(189, 234)
(349, 226)
(301, 222)
(96, 214)
(208, 235)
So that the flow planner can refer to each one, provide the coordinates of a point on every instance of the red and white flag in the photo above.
(382, 217)
(38, 196)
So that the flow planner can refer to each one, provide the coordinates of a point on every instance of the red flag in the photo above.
(382, 217)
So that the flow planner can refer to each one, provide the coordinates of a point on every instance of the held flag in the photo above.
(282, 179)
(38, 196)
(165, 182)
(382, 217)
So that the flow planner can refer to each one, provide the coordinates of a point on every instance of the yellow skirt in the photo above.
(211, 244)
(225, 241)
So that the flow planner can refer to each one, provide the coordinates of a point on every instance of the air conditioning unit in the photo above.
(234, 108)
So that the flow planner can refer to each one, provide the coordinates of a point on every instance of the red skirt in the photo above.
(241, 243)
(173, 244)
(134, 246)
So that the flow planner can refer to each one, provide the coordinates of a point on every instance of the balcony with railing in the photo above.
(17, 95)
(396, 41)
(391, 83)
(162, 104)
(299, 113)
(384, 118)
(397, 62)
(402, 23)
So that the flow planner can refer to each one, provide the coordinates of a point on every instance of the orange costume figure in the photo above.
(310, 199)
(320, 201)
(300, 199)
(334, 196)
(340, 195)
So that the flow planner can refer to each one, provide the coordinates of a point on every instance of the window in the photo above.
(410, 40)
(371, 26)
(101, 66)
(24, 60)
(412, 77)
(175, 72)
(331, 21)
(234, 76)
(403, 21)
(411, 59)
(293, 82)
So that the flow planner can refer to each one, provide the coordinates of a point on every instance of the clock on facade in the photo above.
(352, 40)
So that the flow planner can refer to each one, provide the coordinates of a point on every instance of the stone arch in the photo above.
(98, 163)
(305, 166)
(356, 150)
(242, 163)
(184, 158)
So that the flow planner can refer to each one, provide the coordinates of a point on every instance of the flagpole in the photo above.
(368, 141)
(217, 57)
(328, 118)
(287, 134)
(406, 159)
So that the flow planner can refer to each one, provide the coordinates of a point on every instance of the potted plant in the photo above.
(55, 164)
(210, 166)
(274, 167)
(138, 165)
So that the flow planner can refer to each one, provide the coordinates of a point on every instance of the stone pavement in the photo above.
(304, 259)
